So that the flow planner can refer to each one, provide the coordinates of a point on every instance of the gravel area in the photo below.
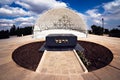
(98, 55)
(29, 57)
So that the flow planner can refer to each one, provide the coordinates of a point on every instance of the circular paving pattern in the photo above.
(28, 55)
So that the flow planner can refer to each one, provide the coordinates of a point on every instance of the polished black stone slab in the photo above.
(78, 47)
(61, 40)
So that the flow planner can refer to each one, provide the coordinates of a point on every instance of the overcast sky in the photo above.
(25, 12)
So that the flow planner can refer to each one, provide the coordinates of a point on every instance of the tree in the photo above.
(18, 32)
(24, 31)
(106, 31)
(114, 32)
(27, 31)
(89, 31)
(97, 30)
(118, 25)
(4, 34)
(13, 30)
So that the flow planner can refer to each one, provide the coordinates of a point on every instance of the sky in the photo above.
(25, 12)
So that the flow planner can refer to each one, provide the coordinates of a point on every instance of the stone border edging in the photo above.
(42, 59)
(80, 61)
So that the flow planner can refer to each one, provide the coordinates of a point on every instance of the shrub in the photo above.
(4, 34)
(114, 33)
(97, 30)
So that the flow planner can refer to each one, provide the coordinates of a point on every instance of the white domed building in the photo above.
(60, 21)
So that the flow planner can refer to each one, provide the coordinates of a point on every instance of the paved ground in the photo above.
(60, 63)
(11, 71)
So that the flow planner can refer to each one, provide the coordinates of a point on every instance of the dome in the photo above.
(59, 19)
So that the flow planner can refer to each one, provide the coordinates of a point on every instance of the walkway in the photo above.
(60, 63)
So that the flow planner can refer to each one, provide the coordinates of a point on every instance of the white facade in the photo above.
(59, 20)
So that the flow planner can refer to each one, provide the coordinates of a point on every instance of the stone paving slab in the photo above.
(107, 73)
(60, 63)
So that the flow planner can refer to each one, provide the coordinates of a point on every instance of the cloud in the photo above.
(97, 21)
(4, 2)
(112, 7)
(21, 22)
(111, 14)
(6, 24)
(93, 13)
(24, 5)
(94, 16)
(26, 13)
(2, 21)
(25, 19)
(39, 6)
(13, 12)
(24, 24)
(112, 10)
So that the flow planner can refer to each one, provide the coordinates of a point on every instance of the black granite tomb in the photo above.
(61, 42)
